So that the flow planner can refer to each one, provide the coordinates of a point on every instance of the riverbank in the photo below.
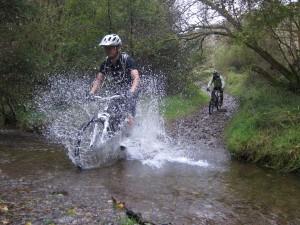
(266, 128)
(176, 107)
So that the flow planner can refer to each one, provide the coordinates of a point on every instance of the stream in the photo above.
(40, 184)
(179, 175)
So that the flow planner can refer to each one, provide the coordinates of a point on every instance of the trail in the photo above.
(202, 128)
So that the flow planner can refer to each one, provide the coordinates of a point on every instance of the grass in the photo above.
(266, 129)
(178, 106)
(127, 221)
(30, 120)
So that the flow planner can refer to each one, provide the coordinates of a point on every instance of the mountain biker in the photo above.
(120, 71)
(219, 83)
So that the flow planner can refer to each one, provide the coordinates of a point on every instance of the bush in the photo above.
(30, 120)
(266, 128)
(183, 104)
(235, 57)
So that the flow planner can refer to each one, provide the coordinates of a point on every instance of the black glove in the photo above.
(207, 89)
(90, 97)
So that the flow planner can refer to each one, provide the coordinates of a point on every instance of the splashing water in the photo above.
(63, 104)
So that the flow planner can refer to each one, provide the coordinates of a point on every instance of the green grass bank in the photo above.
(266, 128)
(184, 104)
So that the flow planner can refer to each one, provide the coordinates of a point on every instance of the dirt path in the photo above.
(202, 128)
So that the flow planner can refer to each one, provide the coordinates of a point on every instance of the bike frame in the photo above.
(103, 117)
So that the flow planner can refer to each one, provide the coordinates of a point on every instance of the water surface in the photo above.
(219, 192)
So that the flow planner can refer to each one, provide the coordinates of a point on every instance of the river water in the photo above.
(219, 192)
(168, 180)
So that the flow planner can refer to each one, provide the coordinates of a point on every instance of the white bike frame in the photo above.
(104, 117)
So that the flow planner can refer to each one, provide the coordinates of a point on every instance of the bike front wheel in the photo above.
(211, 107)
(87, 137)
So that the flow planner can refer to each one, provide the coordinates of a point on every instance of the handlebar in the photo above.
(107, 98)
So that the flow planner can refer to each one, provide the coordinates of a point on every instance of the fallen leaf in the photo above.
(5, 222)
(3, 208)
(118, 204)
(28, 223)
(71, 212)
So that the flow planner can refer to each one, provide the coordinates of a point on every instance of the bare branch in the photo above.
(222, 11)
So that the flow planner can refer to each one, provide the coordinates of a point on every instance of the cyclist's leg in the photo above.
(221, 96)
(115, 110)
(213, 93)
(131, 110)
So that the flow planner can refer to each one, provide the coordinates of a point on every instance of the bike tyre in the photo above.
(211, 108)
(83, 138)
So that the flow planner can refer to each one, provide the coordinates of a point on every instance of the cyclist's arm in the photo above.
(135, 76)
(97, 83)
(210, 82)
(223, 82)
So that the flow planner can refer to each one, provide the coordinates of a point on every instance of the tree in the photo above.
(42, 37)
(255, 24)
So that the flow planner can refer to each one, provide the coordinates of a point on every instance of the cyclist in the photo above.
(219, 83)
(120, 71)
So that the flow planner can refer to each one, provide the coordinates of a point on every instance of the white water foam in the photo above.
(149, 142)
(63, 105)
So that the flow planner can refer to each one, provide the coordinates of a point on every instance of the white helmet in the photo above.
(111, 40)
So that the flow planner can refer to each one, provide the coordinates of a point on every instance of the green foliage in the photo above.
(41, 37)
(266, 129)
(66, 34)
(30, 120)
(271, 29)
(233, 57)
(181, 105)
(127, 221)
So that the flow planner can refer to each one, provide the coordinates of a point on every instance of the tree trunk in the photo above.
(273, 62)
(266, 75)
(109, 17)
(131, 26)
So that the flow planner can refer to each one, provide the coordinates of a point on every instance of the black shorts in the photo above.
(219, 89)
(123, 105)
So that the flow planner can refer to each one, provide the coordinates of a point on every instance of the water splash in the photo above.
(63, 104)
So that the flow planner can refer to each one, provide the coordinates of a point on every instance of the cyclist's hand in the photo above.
(90, 97)
(207, 89)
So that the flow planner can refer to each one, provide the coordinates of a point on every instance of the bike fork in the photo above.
(94, 136)
(102, 119)
(105, 129)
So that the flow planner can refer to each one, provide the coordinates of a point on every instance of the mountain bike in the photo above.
(215, 102)
(103, 129)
